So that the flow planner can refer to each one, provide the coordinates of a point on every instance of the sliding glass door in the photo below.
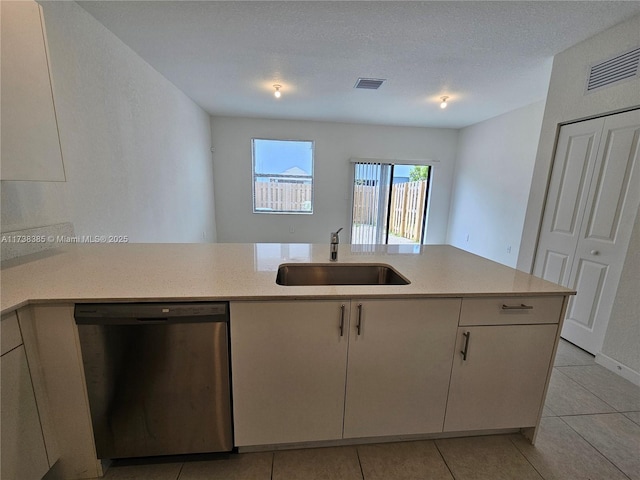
(389, 203)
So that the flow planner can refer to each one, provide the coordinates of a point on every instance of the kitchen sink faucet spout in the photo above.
(335, 240)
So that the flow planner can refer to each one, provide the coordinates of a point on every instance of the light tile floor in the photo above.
(590, 430)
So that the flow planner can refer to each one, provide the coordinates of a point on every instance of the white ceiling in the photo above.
(488, 57)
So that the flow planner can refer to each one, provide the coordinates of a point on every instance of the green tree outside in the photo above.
(418, 172)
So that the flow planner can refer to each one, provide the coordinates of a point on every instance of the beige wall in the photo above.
(136, 149)
(567, 102)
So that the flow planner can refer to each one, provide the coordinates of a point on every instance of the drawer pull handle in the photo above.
(465, 350)
(342, 320)
(522, 306)
(359, 324)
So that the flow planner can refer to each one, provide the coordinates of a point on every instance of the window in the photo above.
(282, 176)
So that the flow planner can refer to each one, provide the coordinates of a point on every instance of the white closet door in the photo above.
(592, 201)
(573, 166)
(612, 205)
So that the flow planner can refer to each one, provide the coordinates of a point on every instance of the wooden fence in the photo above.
(407, 209)
(282, 196)
(365, 204)
(407, 203)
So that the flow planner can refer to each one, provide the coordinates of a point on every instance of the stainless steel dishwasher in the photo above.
(157, 377)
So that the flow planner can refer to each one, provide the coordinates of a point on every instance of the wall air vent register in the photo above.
(614, 70)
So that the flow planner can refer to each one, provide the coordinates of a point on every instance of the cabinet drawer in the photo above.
(510, 310)
(10, 335)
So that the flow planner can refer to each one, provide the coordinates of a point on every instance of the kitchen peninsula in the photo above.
(465, 348)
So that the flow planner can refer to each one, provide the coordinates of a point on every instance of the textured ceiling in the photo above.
(488, 57)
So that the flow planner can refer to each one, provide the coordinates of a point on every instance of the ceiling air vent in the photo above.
(369, 83)
(614, 70)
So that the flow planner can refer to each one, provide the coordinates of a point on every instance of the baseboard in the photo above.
(618, 368)
(368, 440)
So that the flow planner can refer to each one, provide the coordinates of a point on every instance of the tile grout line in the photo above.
(525, 457)
(273, 460)
(180, 471)
(593, 446)
(590, 414)
(573, 347)
(444, 460)
(630, 411)
(615, 410)
(587, 388)
(575, 365)
(359, 462)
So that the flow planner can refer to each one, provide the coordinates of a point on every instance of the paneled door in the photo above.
(592, 202)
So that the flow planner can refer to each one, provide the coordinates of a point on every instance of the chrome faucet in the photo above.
(335, 240)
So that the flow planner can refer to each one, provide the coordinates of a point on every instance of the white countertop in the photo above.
(229, 271)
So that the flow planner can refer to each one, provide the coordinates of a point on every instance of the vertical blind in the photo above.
(370, 202)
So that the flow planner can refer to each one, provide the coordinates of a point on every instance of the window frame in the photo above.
(255, 175)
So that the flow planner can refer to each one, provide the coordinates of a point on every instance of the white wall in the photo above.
(493, 172)
(622, 340)
(136, 149)
(566, 102)
(335, 144)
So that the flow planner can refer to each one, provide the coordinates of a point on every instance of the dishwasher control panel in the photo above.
(131, 313)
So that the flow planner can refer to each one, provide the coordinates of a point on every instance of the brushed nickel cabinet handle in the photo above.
(522, 306)
(465, 350)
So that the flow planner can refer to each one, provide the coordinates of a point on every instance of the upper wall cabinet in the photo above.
(30, 145)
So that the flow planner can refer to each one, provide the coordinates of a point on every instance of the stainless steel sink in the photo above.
(296, 274)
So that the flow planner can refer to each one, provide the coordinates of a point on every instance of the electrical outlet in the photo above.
(509, 249)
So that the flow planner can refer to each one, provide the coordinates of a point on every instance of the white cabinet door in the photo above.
(22, 445)
(51, 340)
(400, 354)
(501, 381)
(30, 142)
(288, 369)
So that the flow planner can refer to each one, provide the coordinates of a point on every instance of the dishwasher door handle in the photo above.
(152, 319)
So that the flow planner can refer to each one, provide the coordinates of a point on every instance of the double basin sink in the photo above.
(299, 274)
